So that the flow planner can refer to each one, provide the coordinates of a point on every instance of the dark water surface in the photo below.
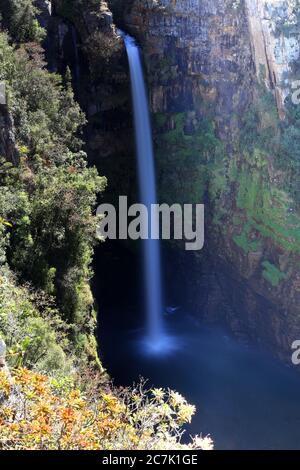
(244, 399)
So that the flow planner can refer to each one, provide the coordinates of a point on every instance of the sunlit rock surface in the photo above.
(275, 42)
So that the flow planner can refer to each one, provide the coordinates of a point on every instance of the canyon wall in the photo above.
(197, 56)
(208, 64)
(218, 74)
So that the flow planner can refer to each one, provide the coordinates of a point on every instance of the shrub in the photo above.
(34, 334)
(36, 413)
(20, 17)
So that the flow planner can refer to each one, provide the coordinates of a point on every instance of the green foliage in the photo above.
(272, 274)
(20, 18)
(289, 150)
(101, 48)
(268, 176)
(50, 197)
(262, 132)
(47, 118)
(267, 209)
(31, 327)
(245, 240)
(187, 158)
(119, 8)
(54, 228)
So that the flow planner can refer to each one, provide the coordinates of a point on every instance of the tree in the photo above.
(20, 18)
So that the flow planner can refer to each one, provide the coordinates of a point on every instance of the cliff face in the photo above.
(208, 64)
(218, 74)
(197, 55)
(275, 43)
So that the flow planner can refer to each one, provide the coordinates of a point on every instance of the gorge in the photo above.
(226, 133)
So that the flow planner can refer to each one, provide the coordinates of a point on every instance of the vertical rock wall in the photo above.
(196, 51)
(275, 44)
(204, 61)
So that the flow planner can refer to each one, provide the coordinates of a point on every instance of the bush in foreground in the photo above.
(40, 413)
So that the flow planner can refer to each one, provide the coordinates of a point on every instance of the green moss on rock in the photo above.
(272, 274)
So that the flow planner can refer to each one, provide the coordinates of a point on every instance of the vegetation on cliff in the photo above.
(253, 190)
(49, 197)
(20, 17)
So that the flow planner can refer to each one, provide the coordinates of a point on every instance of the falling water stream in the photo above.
(147, 186)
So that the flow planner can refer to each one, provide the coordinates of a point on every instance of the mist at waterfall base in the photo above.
(156, 341)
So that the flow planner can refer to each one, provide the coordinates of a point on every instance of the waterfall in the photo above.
(147, 187)
(49, 6)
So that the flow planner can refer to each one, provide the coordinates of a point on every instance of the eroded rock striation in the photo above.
(275, 41)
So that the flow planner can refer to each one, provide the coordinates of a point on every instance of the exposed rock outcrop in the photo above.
(275, 42)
